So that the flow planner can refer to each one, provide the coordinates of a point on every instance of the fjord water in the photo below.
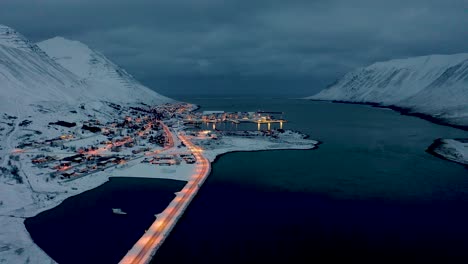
(370, 193)
(83, 228)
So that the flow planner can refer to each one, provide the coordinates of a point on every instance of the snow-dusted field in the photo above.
(180, 172)
(230, 144)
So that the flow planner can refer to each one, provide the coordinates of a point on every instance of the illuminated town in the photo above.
(170, 140)
(141, 134)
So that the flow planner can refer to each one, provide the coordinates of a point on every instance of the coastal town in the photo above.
(168, 141)
(141, 134)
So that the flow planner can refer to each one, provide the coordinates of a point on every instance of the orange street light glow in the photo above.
(145, 248)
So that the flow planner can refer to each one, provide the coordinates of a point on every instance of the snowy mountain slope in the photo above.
(28, 75)
(435, 85)
(445, 97)
(11, 38)
(35, 87)
(75, 75)
(36, 91)
(109, 81)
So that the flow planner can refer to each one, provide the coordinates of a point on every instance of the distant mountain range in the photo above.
(435, 85)
(62, 71)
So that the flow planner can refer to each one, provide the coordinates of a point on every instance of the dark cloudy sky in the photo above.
(279, 47)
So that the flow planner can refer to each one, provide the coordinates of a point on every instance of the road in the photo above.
(170, 136)
(149, 243)
(95, 152)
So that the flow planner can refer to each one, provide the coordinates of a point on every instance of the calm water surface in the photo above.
(370, 193)
(83, 228)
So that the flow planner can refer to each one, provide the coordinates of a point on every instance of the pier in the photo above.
(259, 122)
(214, 117)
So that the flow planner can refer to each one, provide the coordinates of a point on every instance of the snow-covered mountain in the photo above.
(65, 81)
(435, 85)
(28, 75)
(108, 81)
(75, 74)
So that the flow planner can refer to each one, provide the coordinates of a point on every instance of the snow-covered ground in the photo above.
(180, 172)
(451, 149)
(94, 69)
(228, 144)
(16, 245)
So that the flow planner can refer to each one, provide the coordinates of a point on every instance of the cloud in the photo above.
(264, 38)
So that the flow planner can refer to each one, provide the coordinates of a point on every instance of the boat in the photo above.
(118, 211)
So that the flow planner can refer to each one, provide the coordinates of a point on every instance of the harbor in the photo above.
(212, 119)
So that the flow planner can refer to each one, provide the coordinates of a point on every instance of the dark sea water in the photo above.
(83, 228)
(369, 194)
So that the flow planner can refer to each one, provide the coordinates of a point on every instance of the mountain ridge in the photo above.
(31, 75)
(25, 69)
(434, 85)
(113, 82)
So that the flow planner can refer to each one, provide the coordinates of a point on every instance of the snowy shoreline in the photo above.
(263, 150)
(431, 87)
(19, 240)
(402, 110)
(453, 150)
(218, 156)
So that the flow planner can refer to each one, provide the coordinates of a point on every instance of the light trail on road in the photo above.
(153, 238)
